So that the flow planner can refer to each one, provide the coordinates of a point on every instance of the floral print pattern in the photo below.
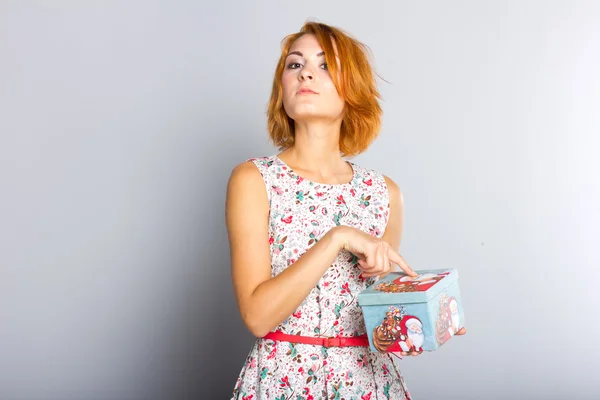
(301, 212)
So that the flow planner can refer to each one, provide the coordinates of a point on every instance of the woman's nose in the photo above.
(306, 74)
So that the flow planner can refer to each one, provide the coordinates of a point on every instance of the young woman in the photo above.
(308, 231)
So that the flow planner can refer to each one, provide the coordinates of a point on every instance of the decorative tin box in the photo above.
(412, 314)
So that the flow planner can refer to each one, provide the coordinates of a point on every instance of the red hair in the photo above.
(356, 86)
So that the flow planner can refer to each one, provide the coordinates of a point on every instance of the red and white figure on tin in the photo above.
(421, 282)
(399, 333)
(413, 337)
(448, 320)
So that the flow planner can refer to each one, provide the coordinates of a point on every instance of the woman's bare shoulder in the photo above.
(244, 175)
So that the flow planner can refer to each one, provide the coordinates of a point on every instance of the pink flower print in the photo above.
(297, 314)
(340, 200)
(374, 230)
(277, 190)
(253, 362)
(301, 370)
(366, 396)
(284, 382)
(353, 192)
(249, 397)
(271, 240)
(319, 194)
(362, 362)
(273, 351)
(346, 288)
(385, 369)
(329, 375)
(287, 220)
(368, 182)
(299, 180)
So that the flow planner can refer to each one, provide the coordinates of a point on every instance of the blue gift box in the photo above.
(412, 314)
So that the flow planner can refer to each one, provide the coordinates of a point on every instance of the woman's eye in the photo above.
(324, 66)
(294, 65)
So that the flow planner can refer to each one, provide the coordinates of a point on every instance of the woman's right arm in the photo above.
(265, 301)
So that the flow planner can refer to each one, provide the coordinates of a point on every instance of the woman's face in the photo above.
(308, 91)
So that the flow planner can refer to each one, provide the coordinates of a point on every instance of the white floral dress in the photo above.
(301, 212)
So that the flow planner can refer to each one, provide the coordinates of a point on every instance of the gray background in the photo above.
(121, 121)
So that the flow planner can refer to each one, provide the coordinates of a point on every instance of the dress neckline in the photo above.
(314, 183)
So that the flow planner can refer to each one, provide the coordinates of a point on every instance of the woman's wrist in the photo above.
(339, 236)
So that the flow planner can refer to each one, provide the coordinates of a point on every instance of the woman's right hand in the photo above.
(375, 255)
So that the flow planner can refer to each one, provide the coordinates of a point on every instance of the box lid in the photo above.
(397, 287)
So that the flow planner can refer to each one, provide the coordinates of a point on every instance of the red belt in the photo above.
(338, 341)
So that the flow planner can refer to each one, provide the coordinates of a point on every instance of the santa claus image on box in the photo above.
(399, 332)
(412, 337)
(448, 319)
(421, 282)
(454, 315)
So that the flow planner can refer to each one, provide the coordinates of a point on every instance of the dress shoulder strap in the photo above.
(264, 165)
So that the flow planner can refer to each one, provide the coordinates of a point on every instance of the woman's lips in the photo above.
(306, 91)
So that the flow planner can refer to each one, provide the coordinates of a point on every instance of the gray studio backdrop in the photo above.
(121, 121)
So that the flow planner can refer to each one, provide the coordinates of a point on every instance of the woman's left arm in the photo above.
(393, 229)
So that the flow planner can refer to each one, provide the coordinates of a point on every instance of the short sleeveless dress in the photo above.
(301, 212)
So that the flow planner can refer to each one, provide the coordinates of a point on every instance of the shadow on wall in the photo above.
(211, 341)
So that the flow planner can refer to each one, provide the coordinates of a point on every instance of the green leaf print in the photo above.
(292, 351)
(364, 201)
(386, 390)
(337, 217)
(336, 391)
(313, 238)
(263, 373)
(338, 309)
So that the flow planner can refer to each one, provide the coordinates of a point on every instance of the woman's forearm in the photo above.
(277, 298)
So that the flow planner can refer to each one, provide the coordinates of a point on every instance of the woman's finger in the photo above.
(364, 265)
(380, 259)
(387, 267)
(399, 260)
(386, 262)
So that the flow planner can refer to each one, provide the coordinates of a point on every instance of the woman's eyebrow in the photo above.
(302, 55)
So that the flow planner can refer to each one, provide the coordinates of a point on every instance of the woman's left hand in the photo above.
(461, 331)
